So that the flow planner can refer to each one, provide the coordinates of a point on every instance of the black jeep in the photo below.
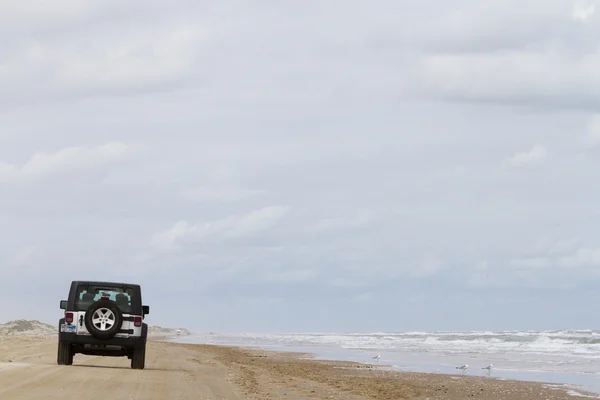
(103, 319)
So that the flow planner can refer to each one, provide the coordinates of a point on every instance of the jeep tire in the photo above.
(111, 308)
(138, 358)
(65, 353)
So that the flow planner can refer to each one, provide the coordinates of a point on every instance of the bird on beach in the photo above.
(377, 357)
(489, 368)
(463, 367)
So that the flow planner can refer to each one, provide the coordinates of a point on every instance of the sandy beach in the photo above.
(28, 370)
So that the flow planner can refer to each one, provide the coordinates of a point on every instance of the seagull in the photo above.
(377, 357)
(489, 368)
(463, 367)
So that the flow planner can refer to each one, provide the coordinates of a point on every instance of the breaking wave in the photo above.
(570, 343)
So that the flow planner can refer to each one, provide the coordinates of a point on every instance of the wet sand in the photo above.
(28, 370)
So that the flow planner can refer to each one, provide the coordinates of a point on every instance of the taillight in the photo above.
(137, 321)
(69, 318)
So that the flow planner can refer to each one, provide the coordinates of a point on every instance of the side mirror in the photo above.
(146, 310)
(63, 304)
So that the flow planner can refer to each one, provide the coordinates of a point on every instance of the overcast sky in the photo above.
(304, 165)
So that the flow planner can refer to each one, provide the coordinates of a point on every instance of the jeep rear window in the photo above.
(86, 296)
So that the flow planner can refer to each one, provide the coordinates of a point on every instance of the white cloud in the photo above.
(125, 61)
(581, 258)
(256, 221)
(592, 139)
(222, 173)
(555, 244)
(328, 225)
(72, 158)
(518, 76)
(583, 12)
(532, 263)
(233, 226)
(289, 276)
(40, 11)
(107, 58)
(22, 256)
(348, 282)
(363, 298)
(427, 267)
(490, 53)
(535, 156)
(168, 240)
(221, 193)
(567, 244)
(479, 276)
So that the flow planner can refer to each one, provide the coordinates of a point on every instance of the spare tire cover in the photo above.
(103, 319)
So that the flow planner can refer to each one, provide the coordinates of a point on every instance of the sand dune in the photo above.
(24, 327)
(161, 331)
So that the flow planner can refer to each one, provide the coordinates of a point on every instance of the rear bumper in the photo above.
(130, 342)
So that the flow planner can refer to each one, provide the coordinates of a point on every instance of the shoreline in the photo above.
(583, 383)
(376, 381)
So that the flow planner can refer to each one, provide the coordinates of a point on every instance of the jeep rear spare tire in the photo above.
(103, 319)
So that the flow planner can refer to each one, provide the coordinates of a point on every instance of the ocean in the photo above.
(569, 357)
